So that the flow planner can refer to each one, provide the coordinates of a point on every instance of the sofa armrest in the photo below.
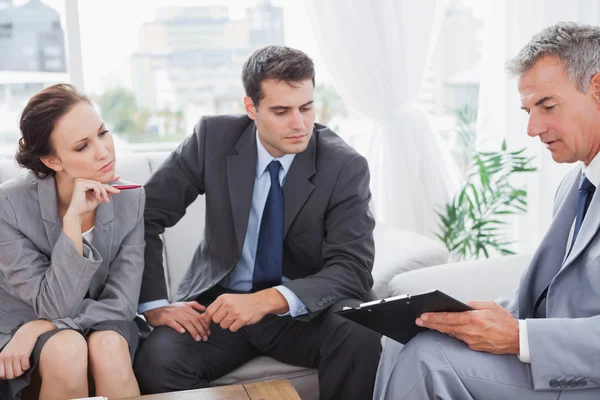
(398, 251)
(471, 280)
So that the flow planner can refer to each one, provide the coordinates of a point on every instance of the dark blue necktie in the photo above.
(586, 192)
(584, 198)
(269, 250)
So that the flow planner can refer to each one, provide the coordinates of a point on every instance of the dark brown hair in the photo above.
(275, 62)
(38, 119)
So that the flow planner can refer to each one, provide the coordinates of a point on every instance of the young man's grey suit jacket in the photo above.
(328, 228)
(43, 276)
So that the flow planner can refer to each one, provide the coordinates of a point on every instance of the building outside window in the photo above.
(32, 44)
(154, 67)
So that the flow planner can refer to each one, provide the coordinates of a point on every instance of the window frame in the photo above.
(73, 44)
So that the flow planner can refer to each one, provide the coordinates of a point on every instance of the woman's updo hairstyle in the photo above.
(38, 119)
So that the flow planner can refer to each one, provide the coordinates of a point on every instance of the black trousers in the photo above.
(346, 354)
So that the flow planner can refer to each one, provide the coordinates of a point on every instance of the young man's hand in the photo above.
(234, 311)
(184, 316)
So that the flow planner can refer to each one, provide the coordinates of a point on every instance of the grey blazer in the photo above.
(566, 343)
(42, 276)
(328, 227)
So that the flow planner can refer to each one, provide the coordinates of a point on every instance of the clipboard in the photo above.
(395, 317)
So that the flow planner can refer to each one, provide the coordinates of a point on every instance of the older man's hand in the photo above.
(489, 328)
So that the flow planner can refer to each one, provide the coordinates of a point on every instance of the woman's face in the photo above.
(83, 147)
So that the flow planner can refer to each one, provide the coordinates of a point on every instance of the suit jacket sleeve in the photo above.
(564, 347)
(510, 301)
(348, 247)
(53, 286)
(119, 297)
(173, 187)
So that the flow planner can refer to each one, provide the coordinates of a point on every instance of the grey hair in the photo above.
(576, 46)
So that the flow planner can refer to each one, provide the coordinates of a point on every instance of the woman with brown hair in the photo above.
(71, 257)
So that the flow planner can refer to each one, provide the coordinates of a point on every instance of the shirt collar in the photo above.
(264, 159)
(592, 171)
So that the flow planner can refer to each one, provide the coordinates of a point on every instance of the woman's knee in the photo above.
(64, 357)
(109, 353)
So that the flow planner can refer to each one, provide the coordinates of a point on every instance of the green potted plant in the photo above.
(473, 223)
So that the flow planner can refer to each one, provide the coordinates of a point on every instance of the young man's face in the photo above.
(284, 117)
(566, 120)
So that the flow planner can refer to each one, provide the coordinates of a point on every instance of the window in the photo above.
(450, 89)
(168, 62)
(171, 61)
(6, 30)
(32, 45)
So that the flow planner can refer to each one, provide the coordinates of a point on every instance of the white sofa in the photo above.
(397, 252)
(478, 280)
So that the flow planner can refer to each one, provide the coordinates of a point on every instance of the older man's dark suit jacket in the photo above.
(328, 228)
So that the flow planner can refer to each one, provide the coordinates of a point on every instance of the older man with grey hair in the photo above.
(541, 341)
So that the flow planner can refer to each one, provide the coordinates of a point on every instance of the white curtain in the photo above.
(376, 53)
(509, 26)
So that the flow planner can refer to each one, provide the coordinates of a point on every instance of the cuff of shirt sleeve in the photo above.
(524, 355)
(88, 253)
(297, 307)
(151, 305)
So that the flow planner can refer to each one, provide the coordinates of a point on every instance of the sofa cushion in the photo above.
(478, 280)
(8, 169)
(398, 251)
(133, 168)
(181, 240)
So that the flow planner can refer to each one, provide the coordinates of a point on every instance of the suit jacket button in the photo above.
(582, 383)
(334, 297)
(320, 303)
(572, 383)
(563, 384)
(553, 383)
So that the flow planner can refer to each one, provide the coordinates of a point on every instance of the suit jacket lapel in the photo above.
(49, 209)
(297, 186)
(549, 257)
(102, 241)
(241, 172)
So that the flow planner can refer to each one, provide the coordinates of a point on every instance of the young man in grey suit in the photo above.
(288, 240)
(542, 340)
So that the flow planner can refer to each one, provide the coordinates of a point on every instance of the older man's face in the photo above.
(566, 120)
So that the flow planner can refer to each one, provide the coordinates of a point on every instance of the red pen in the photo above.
(125, 187)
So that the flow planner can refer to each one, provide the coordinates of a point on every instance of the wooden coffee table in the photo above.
(269, 390)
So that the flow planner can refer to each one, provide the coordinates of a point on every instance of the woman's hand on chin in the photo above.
(87, 195)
